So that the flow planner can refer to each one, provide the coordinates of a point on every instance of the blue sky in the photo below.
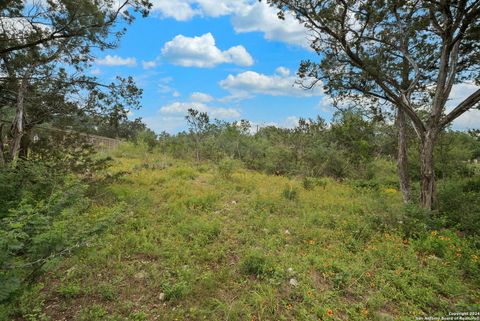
(231, 58)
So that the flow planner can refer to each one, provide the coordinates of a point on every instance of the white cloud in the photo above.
(180, 10)
(117, 61)
(247, 16)
(470, 119)
(260, 17)
(291, 122)
(160, 123)
(149, 64)
(183, 10)
(181, 108)
(164, 85)
(201, 97)
(202, 52)
(171, 117)
(282, 71)
(176, 94)
(248, 83)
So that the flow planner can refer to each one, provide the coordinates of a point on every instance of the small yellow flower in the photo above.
(289, 306)
(311, 242)
(434, 233)
(365, 312)
(329, 312)
(390, 190)
(474, 258)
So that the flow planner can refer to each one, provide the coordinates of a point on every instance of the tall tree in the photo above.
(47, 45)
(199, 122)
(408, 54)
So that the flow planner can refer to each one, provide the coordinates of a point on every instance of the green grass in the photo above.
(196, 244)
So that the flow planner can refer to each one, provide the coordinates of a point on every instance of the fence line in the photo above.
(100, 142)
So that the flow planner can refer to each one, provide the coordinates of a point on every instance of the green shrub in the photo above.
(290, 193)
(40, 229)
(107, 291)
(138, 316)
(459, 204)
(31, 303)
(257, 264)
(175, 291)
(70, 291)
(227, 167)
(94, 313)
(308, 183)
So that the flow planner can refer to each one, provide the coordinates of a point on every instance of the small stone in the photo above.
(161, 296)
(293, 282)
(287, 232)
(234, 202)
(140, 275)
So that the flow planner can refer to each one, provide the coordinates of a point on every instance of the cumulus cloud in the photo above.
(180, 10)
(115, 60)
(247, 16)
(249, 83)
(201, 97)
(183, 10)
(202, 52)
(260, 17)
(171, 117)
(181, 108)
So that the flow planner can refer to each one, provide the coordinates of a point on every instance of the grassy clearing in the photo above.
(196, 243)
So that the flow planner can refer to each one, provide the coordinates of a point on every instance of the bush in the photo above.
(459, 204)
(227, 167)
(308, 183)
(257, 264)
(311, 183)
(290, 193)
(42, 227)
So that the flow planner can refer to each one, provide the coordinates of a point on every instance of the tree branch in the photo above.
(461, 108)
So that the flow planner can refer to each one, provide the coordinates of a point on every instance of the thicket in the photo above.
(47, 213)
(352, 148)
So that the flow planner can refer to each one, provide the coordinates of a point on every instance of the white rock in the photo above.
(161, 296)
(293, 282)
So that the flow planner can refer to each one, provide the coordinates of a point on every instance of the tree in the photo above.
(33, 24)
(404, 54)
(199, 123)
(39, 39)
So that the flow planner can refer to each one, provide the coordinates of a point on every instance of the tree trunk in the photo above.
(2, 157)
(25, 144)
(17, 130)
(427, 184)
(402, 160)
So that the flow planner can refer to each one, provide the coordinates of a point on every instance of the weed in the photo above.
(70, 290)
(290, 193)
(257, 264)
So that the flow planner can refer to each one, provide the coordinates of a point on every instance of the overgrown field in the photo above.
(209, 242)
